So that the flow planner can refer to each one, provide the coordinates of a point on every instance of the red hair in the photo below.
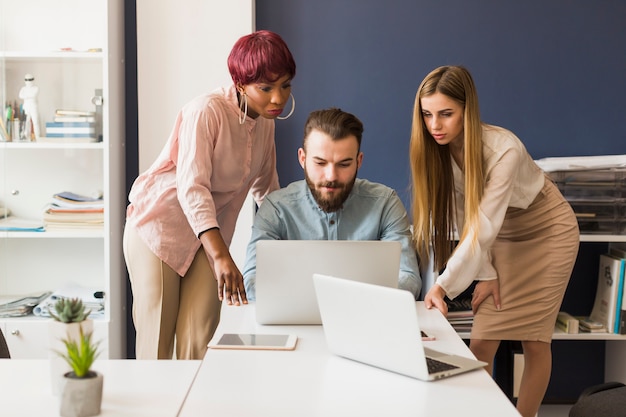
(260, 56)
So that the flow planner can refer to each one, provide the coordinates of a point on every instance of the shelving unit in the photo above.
(34, 38)
(614, 344)
(559, 334)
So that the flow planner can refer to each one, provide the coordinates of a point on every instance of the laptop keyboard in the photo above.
(435, 366)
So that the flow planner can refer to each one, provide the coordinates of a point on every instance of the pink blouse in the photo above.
(202, 176)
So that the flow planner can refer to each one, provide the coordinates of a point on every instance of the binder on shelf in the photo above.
(607, 304)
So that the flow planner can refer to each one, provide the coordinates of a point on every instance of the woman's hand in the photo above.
(229, 280)
(230, 285)
(434, 298)
(483, 290)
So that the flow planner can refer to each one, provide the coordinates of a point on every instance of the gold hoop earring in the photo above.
(293, 107)
(243, 107)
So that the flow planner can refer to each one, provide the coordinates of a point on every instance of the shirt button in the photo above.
(332, 222)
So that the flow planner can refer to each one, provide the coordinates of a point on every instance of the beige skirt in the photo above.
(534, 255)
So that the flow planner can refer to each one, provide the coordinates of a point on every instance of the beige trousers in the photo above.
(168, 307)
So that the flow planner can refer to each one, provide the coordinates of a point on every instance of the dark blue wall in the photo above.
(552, 71)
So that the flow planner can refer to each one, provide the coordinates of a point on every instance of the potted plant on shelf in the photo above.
(70, 319)
(82, 387)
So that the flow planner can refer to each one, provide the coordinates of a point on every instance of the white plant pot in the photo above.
(58, 332)
(82, 397)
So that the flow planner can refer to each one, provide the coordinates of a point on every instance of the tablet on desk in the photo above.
(255, 341)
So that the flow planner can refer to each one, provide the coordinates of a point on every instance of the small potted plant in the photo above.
(69, 310)
(70, 318)
(82, 387)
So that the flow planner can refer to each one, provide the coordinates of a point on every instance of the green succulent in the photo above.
(80, 354)
(69, 310)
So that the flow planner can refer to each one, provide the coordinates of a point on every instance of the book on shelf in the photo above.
(57, 209)
(586, 325)
(70, 128)
(68, 199)
(18, 224)
(566, 322)
(607, 304)
(77, 198)
(83, 119)
(73, 125)
(620, 252)
(21, 305)
(460, 314)
(72, 210)
(67, 139)
(72, 112)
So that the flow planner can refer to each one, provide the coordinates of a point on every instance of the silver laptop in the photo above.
(379, 326)
(285, 268)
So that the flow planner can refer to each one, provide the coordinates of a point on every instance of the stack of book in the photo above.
(71, 210)
(72, 126)
(586, 325)
(460, 315)
(609, 307)
(20, 305)
(461, 320)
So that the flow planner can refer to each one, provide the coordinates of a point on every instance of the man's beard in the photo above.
(334, 202)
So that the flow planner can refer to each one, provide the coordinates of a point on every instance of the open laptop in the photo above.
(285, 268)
(379, 326)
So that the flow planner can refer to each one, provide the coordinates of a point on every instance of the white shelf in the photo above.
(602, 238)
(51, 145)
(50, 55)
(559, 335)
(55, 234)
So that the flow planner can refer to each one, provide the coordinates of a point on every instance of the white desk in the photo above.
(131, 388)
(310, 381)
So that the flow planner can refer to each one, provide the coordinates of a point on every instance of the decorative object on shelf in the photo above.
(567, 323)
(70, 321)
(82, 388)
(29, 93)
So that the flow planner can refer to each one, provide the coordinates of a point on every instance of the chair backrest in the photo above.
(606, 400)
(4, 349)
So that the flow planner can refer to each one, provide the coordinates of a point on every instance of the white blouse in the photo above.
(512, 180)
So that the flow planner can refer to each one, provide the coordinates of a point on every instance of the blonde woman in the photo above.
(517, 235)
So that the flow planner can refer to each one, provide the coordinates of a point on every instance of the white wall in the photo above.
(182, 47)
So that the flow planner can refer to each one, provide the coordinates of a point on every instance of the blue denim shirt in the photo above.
(371, 212)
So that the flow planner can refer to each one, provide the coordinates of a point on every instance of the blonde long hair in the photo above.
(433, 198)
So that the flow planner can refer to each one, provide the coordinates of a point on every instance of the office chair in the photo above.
(4, 349)
(606, 400)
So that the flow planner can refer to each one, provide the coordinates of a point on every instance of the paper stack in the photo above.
(71, 210)
(460, 315)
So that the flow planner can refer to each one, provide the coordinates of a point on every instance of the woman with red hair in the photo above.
(183, 209)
